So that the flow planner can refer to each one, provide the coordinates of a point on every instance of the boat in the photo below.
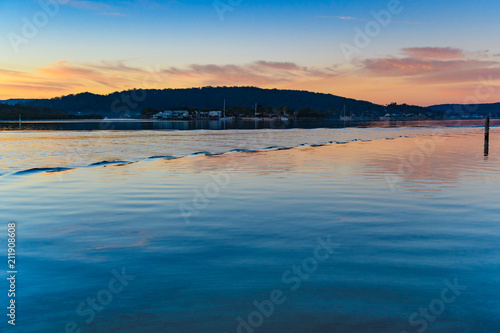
(344, 117)
(224, 118)
(255, 118)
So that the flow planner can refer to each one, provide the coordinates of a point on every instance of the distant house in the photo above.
(176, 114)
(215, 114)
(180, 114)
(386, 117)
(201, 114)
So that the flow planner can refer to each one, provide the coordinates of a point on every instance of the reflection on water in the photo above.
(131, 125)
(24, 150)
(209, 237)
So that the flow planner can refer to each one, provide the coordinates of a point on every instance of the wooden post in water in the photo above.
(19, 120)
(487, 136)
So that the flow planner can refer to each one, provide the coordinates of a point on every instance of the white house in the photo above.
(177, 114)
(215, 114)
(180, 114)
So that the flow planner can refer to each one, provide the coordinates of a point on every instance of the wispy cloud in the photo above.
(88, 5)
(114, 14)
(99, 7)
(30, 88)
(346, 18)
(340, 18)
(351, 18)
(257, 73)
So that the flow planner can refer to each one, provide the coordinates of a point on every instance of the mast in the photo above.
(224, 108)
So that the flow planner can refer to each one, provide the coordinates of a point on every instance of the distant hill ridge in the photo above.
(14, 101)
(487, 109)
(133, 101)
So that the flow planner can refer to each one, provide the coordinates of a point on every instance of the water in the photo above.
(206, 236)
(161, 125)
(28, 149)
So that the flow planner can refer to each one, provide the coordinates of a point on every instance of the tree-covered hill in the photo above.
(131, 102)
(12, 112)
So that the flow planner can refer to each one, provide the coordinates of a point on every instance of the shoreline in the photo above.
(219, 120)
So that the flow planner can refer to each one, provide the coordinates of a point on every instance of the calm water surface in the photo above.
(27, 149)
(207, 237)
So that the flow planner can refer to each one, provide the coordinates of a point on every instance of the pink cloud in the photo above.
(412, 66)
(257, 73)
(340, 17)
(441, 53)
(432, 64)
(346, 17)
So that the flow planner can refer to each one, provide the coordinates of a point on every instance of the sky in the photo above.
(409, 51)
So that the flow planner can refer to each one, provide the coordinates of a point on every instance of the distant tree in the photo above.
(184, 107)
(308, 113)
(148, 112)
(281, 111)
(334, 113)
(237, 110)
(12, 112)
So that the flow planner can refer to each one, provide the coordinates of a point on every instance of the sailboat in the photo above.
(255, 114)
(344, 117)
(224, 118)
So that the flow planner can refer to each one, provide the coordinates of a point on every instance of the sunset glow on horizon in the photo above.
(421, 53)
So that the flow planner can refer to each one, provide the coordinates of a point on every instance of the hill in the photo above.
(13, 101)
(12, 112)
(468, 110)
(131, 102)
